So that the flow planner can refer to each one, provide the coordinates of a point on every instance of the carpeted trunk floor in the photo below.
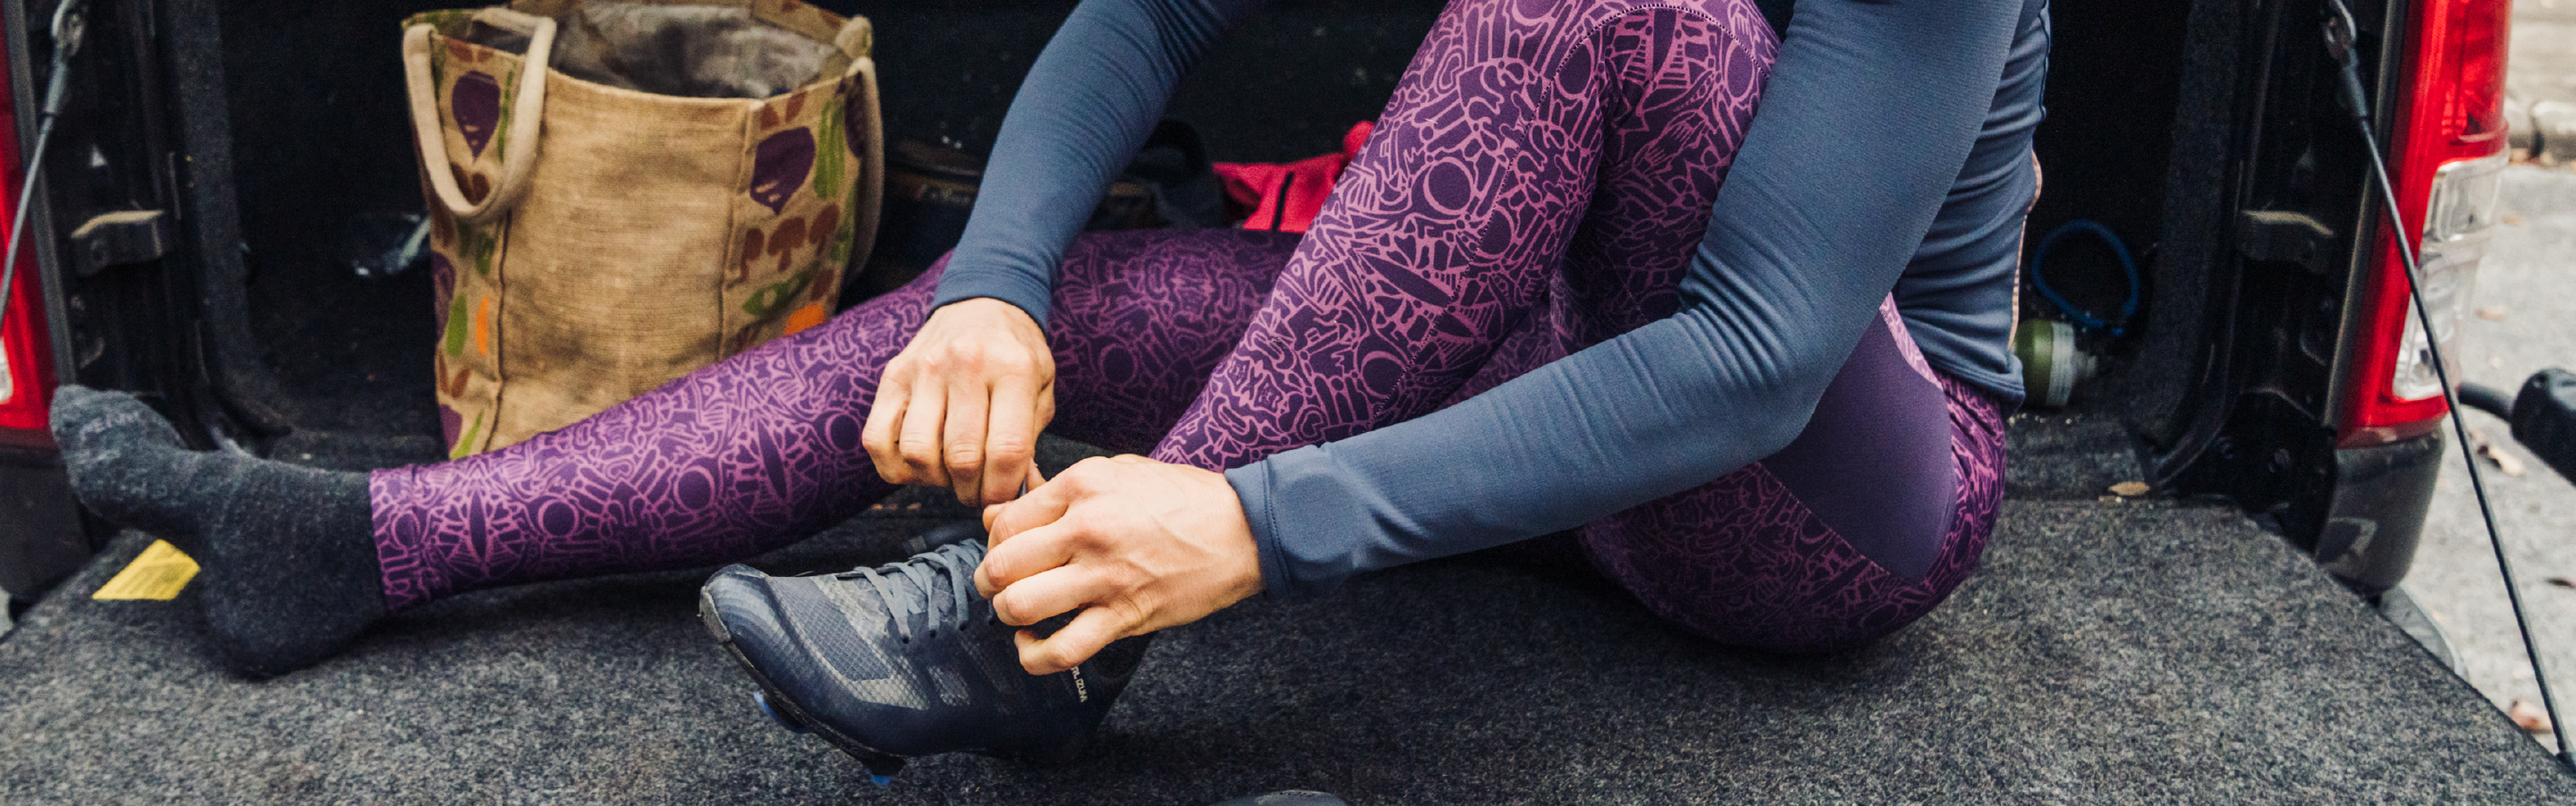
(2109, 653)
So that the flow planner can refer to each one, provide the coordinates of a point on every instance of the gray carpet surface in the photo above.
(2108, 653)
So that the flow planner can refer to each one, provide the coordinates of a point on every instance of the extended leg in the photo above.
(745, 455)
(763, 449)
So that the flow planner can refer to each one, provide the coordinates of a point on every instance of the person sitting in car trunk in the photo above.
(1573, 289)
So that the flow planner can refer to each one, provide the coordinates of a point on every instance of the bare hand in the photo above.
(962, 405)
(1139, 545)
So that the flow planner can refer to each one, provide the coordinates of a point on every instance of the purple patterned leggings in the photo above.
(1535, 186)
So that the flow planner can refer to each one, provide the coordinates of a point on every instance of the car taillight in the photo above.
(2449, 142)
(26, 352)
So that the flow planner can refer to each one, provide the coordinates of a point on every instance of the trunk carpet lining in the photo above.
(2109, 653)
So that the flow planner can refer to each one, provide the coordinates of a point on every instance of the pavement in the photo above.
(2540, 79)
(2526, 293)
(2526, 296)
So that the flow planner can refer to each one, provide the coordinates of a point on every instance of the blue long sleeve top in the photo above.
(1891, 154)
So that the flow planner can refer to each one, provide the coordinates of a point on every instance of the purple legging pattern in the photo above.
(1591, 136)
(1535, 186)
(763, 449)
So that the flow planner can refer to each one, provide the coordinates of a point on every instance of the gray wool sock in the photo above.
(289, 554)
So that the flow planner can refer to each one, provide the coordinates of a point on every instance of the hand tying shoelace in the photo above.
(957, 561)
(839, 655)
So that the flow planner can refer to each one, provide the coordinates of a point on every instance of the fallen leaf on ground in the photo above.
(2529, 717)
(2129, 489)
(2511, 220)
(2492, 313)
(2503, 461)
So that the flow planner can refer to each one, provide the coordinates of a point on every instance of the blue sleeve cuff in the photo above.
(1252, 486)
(1287, 573)
(1031, 294)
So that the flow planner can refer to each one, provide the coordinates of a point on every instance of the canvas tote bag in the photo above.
(605, 219)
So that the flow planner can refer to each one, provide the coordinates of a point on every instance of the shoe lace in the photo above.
(956, 561)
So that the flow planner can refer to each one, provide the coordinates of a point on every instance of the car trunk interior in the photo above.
(325, 174)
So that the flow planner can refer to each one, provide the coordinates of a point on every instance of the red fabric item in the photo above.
(1287, 197)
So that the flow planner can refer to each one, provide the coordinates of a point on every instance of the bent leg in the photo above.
(1517, 150)
(1864, 523)
(762, 449)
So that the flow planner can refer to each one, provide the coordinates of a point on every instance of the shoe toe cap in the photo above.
(738, 608)
(809, 648)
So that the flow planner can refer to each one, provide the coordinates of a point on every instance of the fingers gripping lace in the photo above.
(956, 560)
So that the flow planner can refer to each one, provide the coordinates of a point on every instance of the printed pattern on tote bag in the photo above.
(801, 205)
(797, 230)
(476, 86)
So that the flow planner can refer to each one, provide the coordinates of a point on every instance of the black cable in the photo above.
(67, 29)
(2339, 28)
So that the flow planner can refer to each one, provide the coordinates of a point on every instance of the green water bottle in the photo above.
(2051, 364)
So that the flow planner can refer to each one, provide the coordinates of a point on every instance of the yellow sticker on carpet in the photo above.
(157, 574)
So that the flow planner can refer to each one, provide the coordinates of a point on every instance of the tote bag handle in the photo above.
(526, 116)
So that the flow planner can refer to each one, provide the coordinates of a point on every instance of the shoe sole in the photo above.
(881, 765)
